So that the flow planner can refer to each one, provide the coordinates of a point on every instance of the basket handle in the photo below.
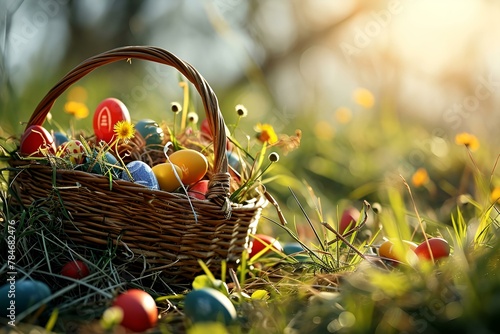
(219, 183)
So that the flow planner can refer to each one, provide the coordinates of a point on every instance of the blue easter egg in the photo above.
(60, 138)
(151, 131)
(233, 160)
(209, 305)
(18, 296)
(103, 164)
(141, 174)
(295, 250)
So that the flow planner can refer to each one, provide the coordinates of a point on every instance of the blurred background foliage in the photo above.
(378, 88)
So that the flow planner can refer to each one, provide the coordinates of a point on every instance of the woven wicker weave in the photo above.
(157, 226)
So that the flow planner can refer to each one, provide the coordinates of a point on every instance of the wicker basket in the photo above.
(158, 227)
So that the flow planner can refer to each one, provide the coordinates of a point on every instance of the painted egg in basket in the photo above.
(60, 138)
(233, 161)
(103, 164)
(142, 174)
(150, 131)
(194, 165)
(35, 139)
(168, 176)
(199, 189)
(73, 150)
(109, 112)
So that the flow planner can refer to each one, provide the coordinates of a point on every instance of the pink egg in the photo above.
(35, 140)
(109, 112)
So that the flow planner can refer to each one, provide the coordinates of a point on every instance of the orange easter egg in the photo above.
(194, 165)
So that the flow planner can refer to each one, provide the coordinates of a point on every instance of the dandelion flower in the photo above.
(468, 140)
(124, 130)
(420, 177)
(266, 133)
(77, 109)
(363, 97)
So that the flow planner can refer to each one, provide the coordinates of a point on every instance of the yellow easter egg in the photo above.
(194, 165)
(165, 175)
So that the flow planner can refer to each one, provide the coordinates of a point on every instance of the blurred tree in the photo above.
(96, 30)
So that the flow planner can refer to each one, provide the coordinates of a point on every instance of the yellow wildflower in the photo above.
(363, 97)
(468, 140)
(266, 133)
(420, 177)
(124, 130)
(77, 109)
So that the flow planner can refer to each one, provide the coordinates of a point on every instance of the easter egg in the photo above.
(59, 138)
(139, 310)
(261, 241)
(438, 247)
(19, 295)
(295, 250)
(292, 248)
(205, 130)
(150, 131)
(209, 305)
(193, 164)
(141, 174)
(166, 177)
(103, 164)
(348, 220)
(75, 269)
(72, 150)
(233, 160)
(206, 133)
(389, 251)
(36, 139)
(109, 112)
(199, 189)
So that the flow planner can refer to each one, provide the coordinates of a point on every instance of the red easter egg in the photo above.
(261, 241)
(75, 269)
(437, 246)
(205, 130)
(139, 310)
(199, 189)
(109, 112)
(34, 140)
(206, 133)
(348, 220)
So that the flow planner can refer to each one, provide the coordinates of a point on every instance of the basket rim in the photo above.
(20, 165)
